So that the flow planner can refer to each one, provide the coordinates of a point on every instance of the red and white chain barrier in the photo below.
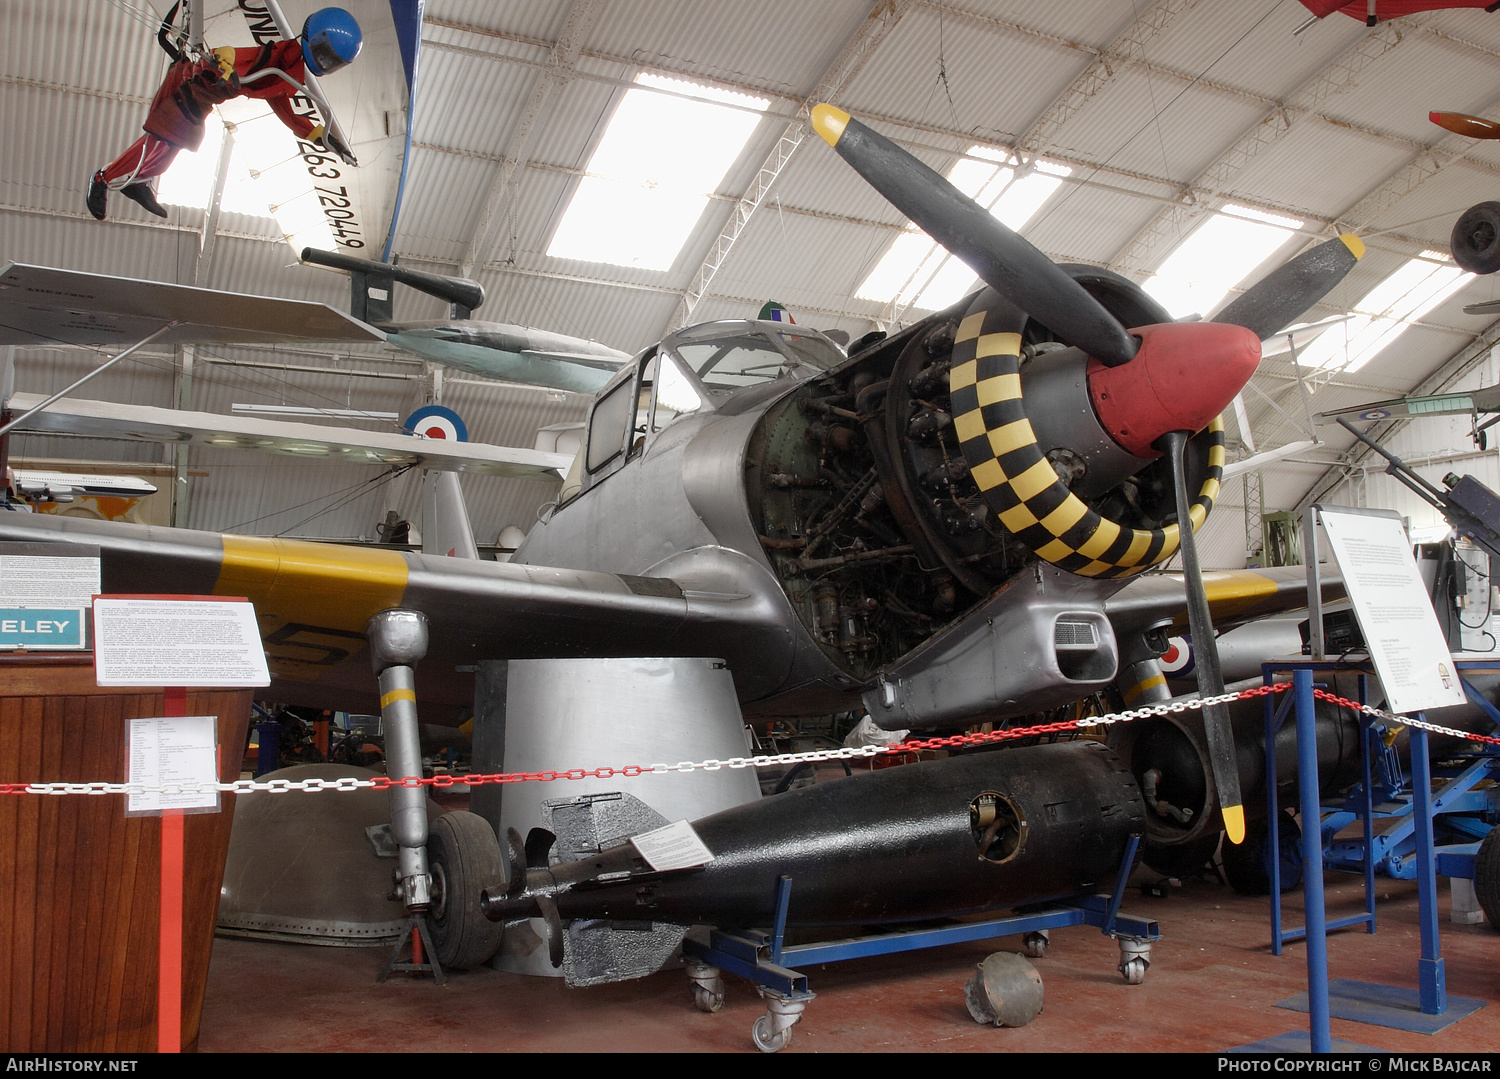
(629, 771)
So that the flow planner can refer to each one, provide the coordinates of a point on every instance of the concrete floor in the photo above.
(1213, 984)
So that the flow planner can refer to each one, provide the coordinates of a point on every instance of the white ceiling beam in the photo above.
(1100, 73)
(851, 58)
(1146, 248)
(561, 61)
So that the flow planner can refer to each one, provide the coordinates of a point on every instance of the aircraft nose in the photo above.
(1184, 375)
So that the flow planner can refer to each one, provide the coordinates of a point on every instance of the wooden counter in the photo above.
(79, 882)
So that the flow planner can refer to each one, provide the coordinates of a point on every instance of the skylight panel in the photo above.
(918, 272)
(1219, 254)
(267, 176)
(1386, 312)
(651, 176)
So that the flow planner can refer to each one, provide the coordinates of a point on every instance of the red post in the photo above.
(169, 960)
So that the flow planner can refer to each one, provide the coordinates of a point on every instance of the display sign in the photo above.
(48, 581)
(167, 751)
(41, 628)
(45, 596)
(181, 641)
(672, 846)
(1395, 613)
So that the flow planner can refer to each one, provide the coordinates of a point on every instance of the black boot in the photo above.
(143, 194)
(98, 192)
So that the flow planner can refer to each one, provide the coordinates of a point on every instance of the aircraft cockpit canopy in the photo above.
(730, 356)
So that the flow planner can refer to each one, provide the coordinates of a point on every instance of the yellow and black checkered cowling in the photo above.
(1017, 481)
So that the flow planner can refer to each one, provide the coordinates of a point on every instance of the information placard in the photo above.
(189, 641)
(1395, 613)
(28, 580)
(672, 846)
(172, 750)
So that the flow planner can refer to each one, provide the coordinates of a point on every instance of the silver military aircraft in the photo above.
(946, 527)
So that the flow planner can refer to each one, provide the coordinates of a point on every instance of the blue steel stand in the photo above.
(1427, 1010)
(765, 959)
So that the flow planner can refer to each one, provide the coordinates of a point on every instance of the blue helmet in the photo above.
(331, 39)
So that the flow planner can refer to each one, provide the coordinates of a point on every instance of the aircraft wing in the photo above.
(307, 440)
(1234, 597)
(314, 599)
(372, 99)
(1486, 399)
(41, 305)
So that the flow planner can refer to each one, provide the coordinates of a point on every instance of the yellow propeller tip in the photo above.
(1234, 824)
(1355, 245)
(829, 122)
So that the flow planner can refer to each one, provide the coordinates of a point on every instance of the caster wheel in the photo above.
(1036, 945)
(767, 1039)
(706, 1000)
(1134, 971)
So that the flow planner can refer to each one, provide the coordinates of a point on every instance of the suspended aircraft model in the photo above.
(1475, 242)
(941, 528)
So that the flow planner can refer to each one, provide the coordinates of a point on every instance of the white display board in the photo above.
(42, 581)
(179, 750)
(1395, 613)
(205, 641)
(672, 846)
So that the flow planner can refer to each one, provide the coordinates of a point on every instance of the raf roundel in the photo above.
(435, 421)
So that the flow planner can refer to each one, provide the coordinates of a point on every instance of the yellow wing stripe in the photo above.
(317, 584)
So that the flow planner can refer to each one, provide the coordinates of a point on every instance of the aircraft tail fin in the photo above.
(371, 284)
(445, 519)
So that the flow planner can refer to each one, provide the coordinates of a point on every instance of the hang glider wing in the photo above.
(1234, 597)
(313, 601)
(306, 440)
(41, 305)
(373, 100)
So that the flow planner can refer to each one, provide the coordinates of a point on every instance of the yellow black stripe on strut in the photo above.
(1017, 481)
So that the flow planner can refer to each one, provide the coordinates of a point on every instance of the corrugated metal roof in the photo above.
(76, 76)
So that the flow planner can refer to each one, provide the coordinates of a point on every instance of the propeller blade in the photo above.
(1216, 727)
(1461, 123)
(538, 845)
(1006, 262)
(548, 906)
(516, 885)
(1281, 297)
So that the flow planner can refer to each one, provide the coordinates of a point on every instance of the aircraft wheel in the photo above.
(464, 858)
(1134, 971)
(706, 1000)
(1487, 876)
(1476, 238)
(767, 1038)
(1247, 865)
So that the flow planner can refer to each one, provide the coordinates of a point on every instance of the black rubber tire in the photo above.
(1247, 866)
(1475, 242)
(464, 857)
(1487, 876)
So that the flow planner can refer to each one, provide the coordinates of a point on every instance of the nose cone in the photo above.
(1184, 375)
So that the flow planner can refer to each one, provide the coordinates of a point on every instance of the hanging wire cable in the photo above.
(352, 491)
(1155, 116)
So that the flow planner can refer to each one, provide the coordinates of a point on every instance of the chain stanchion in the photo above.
(630, 771)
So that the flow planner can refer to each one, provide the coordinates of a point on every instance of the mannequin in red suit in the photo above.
(192, 88)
